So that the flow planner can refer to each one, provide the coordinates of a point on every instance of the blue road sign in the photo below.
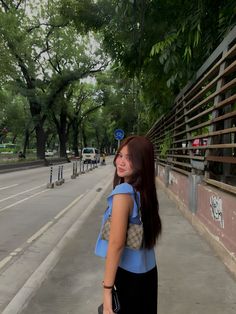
(119, 134)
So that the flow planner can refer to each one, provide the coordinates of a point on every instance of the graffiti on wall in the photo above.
(172, 179)
(216, 209)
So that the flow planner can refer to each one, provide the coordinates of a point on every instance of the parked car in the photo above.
(90, 154)
(49, 153)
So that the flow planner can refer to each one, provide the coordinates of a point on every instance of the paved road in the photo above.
(192, 280)
(27, 205)
(33, 219)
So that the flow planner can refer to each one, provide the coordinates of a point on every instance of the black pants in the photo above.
(137, 292)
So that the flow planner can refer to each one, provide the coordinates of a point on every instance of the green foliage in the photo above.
(153, 47)
(165, 145)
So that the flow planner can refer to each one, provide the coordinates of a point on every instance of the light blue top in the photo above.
(136, 261)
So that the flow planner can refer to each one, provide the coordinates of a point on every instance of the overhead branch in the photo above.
(22, 65)
(5, 6)
(63, 81)
(19, 3)
(40, 53)
(32, 28)
(87, 112)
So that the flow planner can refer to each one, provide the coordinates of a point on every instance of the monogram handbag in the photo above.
(134, 237)
(115, 302)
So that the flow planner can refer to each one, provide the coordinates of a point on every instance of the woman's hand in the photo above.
(107, 302)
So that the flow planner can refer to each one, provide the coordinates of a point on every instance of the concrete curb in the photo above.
(23, 296)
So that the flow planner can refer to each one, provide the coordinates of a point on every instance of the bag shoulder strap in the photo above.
(138, 204)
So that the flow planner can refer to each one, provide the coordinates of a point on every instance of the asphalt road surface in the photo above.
(28, 208)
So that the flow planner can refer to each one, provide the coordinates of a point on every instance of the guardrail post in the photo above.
(50, 184)
(194, 180)
(167, 175)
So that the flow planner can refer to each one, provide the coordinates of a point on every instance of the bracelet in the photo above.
(107, 287)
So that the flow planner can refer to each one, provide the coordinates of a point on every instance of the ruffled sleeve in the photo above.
(125, 188)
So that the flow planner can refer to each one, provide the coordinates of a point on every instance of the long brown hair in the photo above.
(141, 154)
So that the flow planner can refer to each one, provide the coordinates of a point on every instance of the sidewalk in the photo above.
(192, 280)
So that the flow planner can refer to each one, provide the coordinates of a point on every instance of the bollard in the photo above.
(80, 169)
(58, 182)
(83, 167)
(73, 173)
(50, 184)
(87, 167)
(62, 180)
(91, 167)
(76, 168)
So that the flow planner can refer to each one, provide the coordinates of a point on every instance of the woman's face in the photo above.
(123, 164)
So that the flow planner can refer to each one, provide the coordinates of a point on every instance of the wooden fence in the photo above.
(198, 135)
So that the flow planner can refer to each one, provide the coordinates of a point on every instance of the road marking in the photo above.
(18, 250)
(5, 261)
(8, 187)
(68, 207)
(12, 196)
(21, 201)
(45, 227)
(9, 257)
(39, 232)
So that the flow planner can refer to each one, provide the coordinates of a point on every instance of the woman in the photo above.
(133, 272)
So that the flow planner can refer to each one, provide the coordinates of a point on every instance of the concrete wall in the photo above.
(176, 182)
(211, 210)
(217, 210)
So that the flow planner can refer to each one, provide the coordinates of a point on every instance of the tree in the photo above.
(158, 43)
(15, 115)
(47, 54)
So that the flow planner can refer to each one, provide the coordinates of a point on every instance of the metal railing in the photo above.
(198, 134)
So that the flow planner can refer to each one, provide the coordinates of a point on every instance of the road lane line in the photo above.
(21, 201)
(39, 232)
(47, 225)
(12, 196)
(4, 261)
(68, 207)
(18, 250)
(8, 187)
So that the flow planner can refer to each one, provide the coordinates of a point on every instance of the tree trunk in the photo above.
(62, 134)
(40, 141)
(84, 137)
(35, 110)
(97, 138)
(26, 141)
(75, 134)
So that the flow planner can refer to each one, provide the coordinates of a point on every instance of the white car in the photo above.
(49, 153)
(90, 154)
